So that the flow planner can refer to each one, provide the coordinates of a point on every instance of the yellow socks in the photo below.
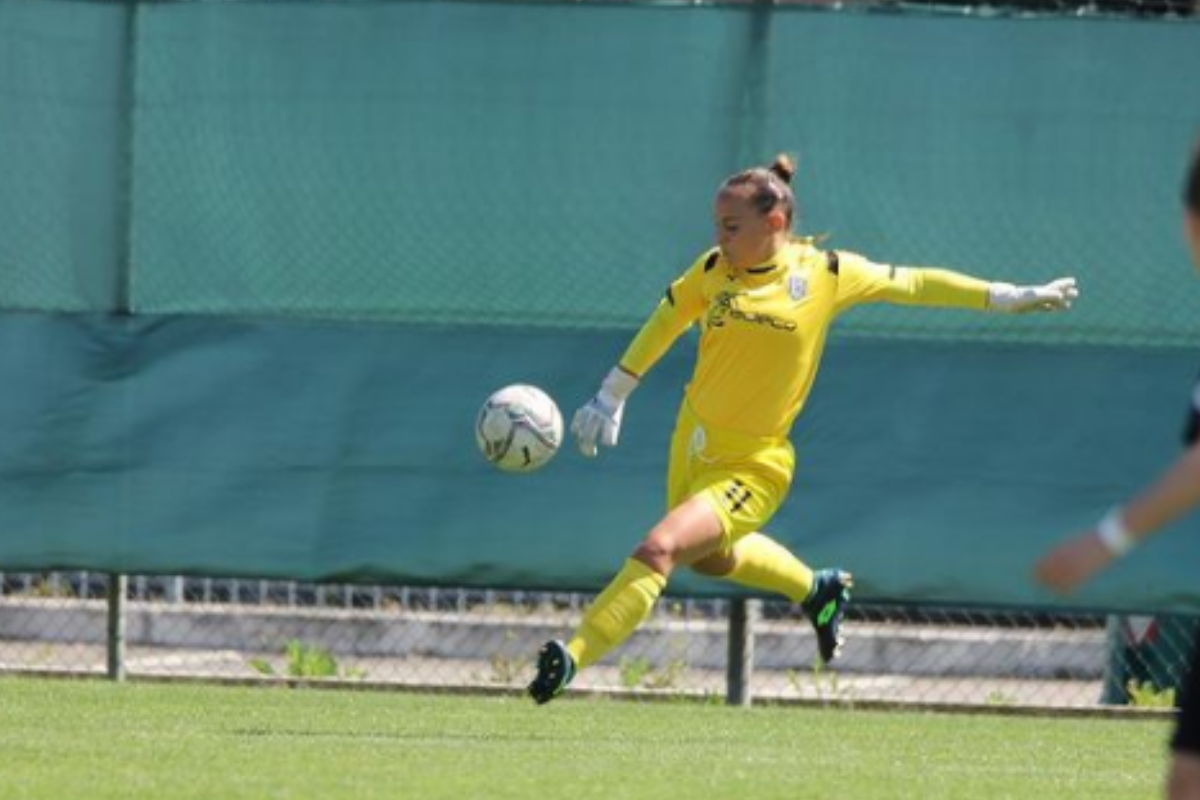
(617, 612)
(763, 563)
(760, 563)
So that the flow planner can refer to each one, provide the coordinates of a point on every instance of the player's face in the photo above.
(745, 235)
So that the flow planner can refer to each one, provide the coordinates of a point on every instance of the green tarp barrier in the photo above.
(260, 263)
(321, 452)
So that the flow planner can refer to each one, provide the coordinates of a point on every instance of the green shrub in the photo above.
(1147, 695)
(307, 661)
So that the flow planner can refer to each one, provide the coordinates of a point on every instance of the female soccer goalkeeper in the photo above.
(764, 301)
(1175, 493)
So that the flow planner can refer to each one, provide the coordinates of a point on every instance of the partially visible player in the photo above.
(764, 301)
(1175, 493)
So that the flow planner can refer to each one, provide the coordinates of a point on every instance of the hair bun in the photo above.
(784, 167)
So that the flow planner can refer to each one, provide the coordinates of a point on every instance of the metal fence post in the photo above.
(118, 587)
(743, 613)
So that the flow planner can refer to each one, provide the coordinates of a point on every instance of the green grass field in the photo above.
(92, 739)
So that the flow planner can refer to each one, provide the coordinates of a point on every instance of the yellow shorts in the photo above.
(744, 478)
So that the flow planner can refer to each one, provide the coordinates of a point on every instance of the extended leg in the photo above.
(689, 532)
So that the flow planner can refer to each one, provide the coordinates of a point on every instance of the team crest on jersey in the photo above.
(797, 287)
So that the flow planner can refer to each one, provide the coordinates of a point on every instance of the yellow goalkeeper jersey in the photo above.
(763, 329)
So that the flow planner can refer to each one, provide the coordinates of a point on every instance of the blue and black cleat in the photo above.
(825, 607)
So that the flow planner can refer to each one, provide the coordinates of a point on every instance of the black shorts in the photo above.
(1187, 729)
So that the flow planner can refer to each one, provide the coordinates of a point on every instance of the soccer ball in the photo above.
(519, 428)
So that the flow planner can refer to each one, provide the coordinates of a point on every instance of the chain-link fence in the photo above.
(222, 629)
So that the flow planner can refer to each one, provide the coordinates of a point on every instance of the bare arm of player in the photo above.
(1075, 561)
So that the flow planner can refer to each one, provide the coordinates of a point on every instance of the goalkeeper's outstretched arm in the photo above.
(929, 286)
(863, 281)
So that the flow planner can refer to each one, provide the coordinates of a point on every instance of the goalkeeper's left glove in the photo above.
(1054, 296)
(600, 419)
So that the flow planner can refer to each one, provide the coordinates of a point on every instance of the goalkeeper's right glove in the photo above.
(600, 420)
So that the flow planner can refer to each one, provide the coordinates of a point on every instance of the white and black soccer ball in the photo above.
(519, 428)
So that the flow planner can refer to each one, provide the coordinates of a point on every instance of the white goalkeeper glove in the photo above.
(600, 420)
(1054, 296)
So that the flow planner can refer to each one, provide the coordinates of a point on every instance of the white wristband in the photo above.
(1001, 296)
(1114, 535)
(618, 384)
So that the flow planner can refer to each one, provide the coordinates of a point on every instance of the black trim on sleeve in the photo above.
(712, 260)
(831, 261)
(670, 296)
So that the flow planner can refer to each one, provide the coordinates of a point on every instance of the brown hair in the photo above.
(770, 187)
